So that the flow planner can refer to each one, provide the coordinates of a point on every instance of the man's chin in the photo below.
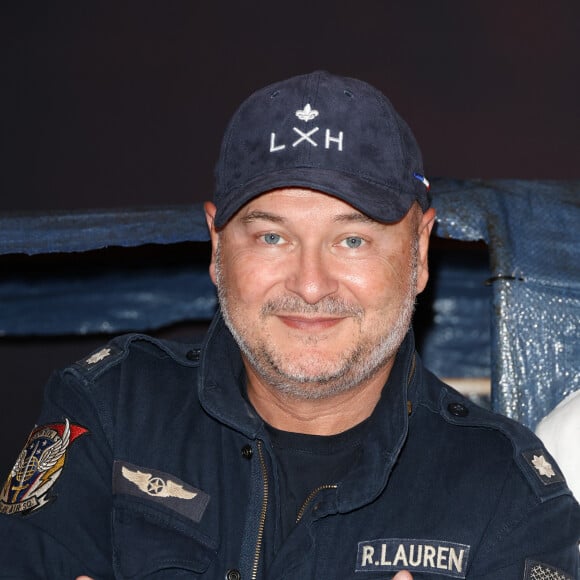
(311, 380)
(311, 365)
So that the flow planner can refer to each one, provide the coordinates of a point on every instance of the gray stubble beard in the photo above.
(364, 362)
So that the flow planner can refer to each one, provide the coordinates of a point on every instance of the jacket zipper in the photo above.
(311, 496)
(302, 509)
(262, 523)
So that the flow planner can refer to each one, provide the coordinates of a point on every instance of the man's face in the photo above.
(317, 295)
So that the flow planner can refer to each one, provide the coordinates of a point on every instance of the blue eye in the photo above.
(272, 239)
(354, 242)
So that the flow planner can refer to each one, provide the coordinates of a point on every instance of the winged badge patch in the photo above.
(159, 487)
(155, 485)
(38, 467)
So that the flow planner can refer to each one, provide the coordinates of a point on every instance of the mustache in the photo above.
(294, 305)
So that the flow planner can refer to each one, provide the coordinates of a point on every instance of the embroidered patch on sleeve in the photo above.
(38, 467)
(160, 487)
(540, 571)
(432, 556)
(543, 466)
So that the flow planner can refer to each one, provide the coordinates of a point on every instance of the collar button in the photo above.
(247, 452)
(458, 409)
(192, 355)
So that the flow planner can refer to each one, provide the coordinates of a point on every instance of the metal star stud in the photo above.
(543, 466)
(98, 356)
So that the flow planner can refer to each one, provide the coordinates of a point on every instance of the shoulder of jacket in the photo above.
(529, 454)
(120, 348)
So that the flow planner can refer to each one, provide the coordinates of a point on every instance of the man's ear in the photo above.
(424, 232)
(210, 211)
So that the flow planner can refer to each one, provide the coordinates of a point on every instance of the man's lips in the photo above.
(309, 323)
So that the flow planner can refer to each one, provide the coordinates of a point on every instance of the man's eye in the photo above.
(272, 239)
(353, 242)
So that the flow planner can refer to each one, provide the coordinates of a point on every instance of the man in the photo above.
(304, 438)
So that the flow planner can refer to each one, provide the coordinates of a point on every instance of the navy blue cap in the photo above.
(337, 135)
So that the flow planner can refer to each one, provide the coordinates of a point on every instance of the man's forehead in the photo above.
(279, 199)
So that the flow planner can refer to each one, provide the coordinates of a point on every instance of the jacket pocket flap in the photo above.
(147, 540)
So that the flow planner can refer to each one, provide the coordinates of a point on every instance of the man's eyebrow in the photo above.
(354, 217)
(258, 215)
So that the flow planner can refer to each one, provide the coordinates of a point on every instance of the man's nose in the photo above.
(311, 276)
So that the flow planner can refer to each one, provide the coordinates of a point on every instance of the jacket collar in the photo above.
(221, 391)
(222, 381)
(387, 433)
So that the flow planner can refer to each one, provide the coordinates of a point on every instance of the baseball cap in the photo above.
(319, 131)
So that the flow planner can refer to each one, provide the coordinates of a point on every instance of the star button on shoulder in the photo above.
(98, 356)
(543, 466)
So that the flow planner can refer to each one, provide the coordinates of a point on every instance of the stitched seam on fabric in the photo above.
(484, 533)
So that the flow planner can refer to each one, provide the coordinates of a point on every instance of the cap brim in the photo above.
(380, 202)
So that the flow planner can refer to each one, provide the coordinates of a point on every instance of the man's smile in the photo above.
(309, 323)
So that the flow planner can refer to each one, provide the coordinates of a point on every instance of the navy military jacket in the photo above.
(149, 463)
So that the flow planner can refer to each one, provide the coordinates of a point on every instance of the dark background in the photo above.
(113, 104)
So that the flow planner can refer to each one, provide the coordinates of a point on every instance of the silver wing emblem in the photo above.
(20, 461)
(52, 454)
(156, 486)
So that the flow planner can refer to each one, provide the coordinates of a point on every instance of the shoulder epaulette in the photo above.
(118, 349)
(103, 357)
(537, 466)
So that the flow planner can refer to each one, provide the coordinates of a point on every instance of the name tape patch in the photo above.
(389, 555)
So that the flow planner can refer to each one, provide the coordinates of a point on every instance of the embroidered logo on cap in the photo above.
(38, 467)
(389, 555)
(160, 487)
(334, 141)
(541, 571)
(307, 113)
